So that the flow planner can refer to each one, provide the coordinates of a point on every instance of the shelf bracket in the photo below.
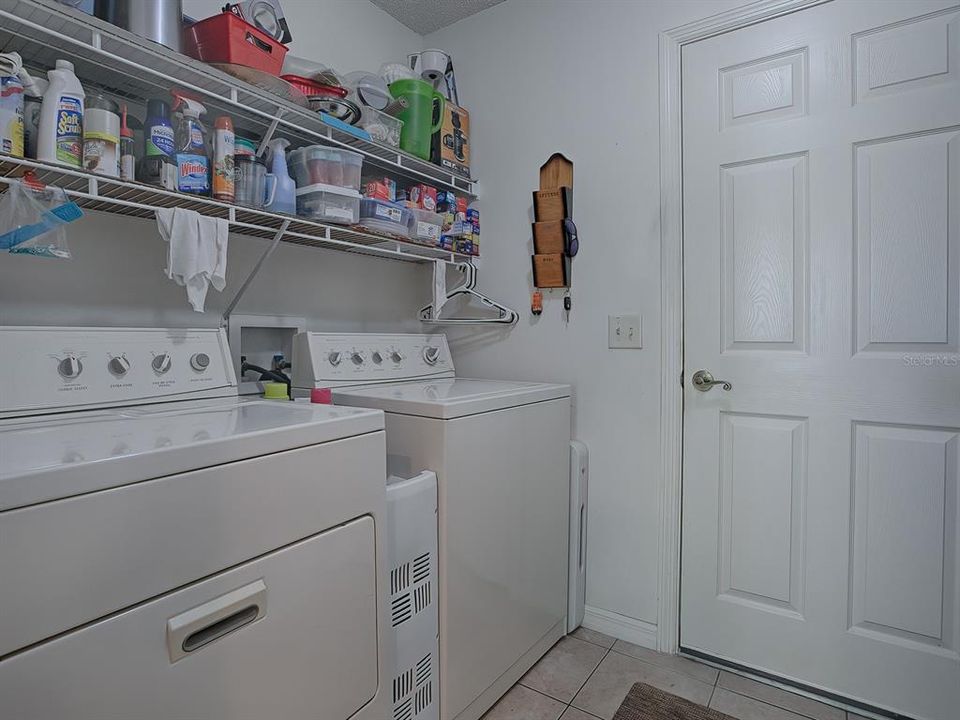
(268, 135)
(225, 318)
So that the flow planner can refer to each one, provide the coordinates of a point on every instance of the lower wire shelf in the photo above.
(134, 199)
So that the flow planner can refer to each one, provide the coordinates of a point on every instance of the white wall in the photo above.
(580, 78)
(116, 277)
(344, 34)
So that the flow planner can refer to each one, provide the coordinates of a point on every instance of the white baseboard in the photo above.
(621, 627)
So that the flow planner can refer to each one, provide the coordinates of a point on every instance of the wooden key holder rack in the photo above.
(553, 213)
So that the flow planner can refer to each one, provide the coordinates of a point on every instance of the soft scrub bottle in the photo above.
(60, 138)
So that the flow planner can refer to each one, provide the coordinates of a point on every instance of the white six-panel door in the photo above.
(821, 180)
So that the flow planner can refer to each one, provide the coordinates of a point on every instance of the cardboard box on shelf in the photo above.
(423, 197)
(383, 189)
(450, 148)
(473, 217)
(447, 201)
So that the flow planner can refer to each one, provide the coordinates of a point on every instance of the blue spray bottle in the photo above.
(191, 157)
(285, 196)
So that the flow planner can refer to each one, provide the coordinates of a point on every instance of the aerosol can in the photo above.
(192, 158)
(224, 147)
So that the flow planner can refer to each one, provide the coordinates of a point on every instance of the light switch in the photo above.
(624, 331)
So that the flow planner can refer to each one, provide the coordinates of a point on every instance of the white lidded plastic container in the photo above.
(383, 128)
(328, 203)
(60, 137)
(425, 226)
(385, 217)
(319, 165)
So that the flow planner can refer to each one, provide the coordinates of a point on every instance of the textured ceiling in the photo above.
(425, 16)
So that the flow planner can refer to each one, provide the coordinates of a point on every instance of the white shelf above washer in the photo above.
(134, 199)
(126, 65)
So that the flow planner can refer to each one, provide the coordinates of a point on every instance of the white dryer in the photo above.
(171, 551)
(501, 454)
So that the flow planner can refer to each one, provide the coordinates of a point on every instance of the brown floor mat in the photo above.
(644, 702)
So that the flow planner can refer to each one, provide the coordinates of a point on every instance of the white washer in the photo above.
(204, 557)
(501, 454)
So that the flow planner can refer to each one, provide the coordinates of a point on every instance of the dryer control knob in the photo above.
(161, 363)
(70, 367)
(118, 365)
(377, 357)
(200, 361)
(396, 357)
(357, 358)
(334, 358)
(431, 355)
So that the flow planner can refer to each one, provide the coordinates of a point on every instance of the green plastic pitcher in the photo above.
(418, 124)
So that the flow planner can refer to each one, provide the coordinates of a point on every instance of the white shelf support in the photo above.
(231, 306)
(268, 135)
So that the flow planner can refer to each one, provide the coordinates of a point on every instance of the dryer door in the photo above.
(292, 634)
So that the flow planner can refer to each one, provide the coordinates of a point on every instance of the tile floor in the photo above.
(586, 675)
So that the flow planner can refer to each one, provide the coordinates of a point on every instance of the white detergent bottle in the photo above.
(285, 195)
(60, 136)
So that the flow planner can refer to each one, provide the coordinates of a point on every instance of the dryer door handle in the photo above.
(196, 628)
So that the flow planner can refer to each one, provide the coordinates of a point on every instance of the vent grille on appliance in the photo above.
(409, 598)
(400, 578)
(421, 568)
(401, 609)
(413, 690)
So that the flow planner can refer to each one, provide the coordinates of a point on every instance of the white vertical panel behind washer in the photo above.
(414, 596)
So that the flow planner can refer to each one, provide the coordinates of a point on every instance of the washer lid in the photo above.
(56, 456)
(449, 398)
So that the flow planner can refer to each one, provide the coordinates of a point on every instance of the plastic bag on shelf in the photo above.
(33, 217)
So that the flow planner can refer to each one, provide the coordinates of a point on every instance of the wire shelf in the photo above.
(134, 199)
(130, 67)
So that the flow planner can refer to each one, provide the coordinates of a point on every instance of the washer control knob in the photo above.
(396, 357)
(431, 355)
(118, 365)
(161, 363)
(200, 361)
(377, 357)
(357, 358)
(70, 367)
(334, 358)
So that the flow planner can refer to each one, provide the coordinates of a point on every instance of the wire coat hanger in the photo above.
(506, 316)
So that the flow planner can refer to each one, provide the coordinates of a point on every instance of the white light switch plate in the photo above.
(623, 331)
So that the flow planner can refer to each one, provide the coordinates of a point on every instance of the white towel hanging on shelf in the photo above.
(196, 251)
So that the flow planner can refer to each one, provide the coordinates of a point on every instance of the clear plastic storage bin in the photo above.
(385, 217)
(328, 203)
(425, 226)
(383, 128)
(319, 165)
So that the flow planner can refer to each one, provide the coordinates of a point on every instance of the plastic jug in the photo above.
(254, 186)
(284, 197)
(60, 137)
(418, 116)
